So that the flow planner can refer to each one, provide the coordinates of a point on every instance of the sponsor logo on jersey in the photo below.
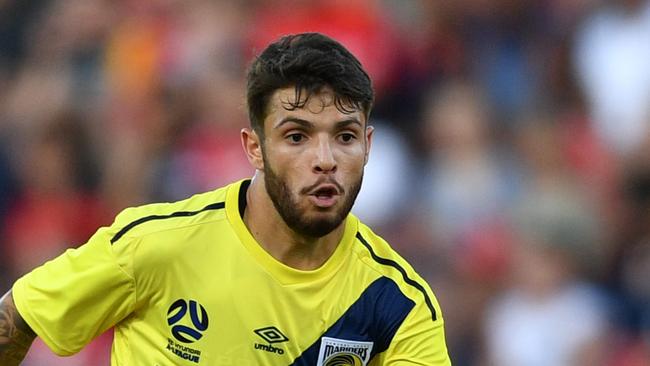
(188, 320)
(342, 352)
(270, 335)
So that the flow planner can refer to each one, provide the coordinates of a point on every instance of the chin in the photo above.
(316, 229)
(318, 224)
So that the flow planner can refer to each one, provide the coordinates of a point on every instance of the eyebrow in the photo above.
(308, 124)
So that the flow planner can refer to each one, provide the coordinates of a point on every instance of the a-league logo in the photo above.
(182, 332)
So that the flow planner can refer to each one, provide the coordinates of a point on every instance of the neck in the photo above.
(274, 235)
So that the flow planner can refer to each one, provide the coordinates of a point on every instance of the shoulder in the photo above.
(145, 240)
(136, 222)
(379, 256)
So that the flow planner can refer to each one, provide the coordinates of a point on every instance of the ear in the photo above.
(369, 133)
(252, 147)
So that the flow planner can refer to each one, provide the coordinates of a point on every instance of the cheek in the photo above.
(352, 161)
(285, 168)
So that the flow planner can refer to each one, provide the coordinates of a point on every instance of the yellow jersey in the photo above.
(186, 283)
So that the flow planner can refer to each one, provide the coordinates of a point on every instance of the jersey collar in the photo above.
(235, 206)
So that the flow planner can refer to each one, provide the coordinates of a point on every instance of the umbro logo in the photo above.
(270, 335)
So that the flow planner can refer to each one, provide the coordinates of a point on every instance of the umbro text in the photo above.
(269, 348)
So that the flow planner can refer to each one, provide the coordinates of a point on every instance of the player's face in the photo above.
(313, 161)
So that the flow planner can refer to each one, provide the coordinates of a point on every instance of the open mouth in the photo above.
(324, 196)
(325, 192)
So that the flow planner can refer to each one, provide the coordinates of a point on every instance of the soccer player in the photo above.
(268, 271)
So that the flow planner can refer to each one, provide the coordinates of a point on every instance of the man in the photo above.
(268, 271)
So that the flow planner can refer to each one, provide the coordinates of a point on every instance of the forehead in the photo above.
(320, 104)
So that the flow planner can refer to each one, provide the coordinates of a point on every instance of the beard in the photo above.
(296, 218)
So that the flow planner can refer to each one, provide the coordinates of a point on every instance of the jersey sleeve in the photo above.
(420, 340)
(75, 297)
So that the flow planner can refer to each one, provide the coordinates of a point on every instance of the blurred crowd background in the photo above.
(511, 162)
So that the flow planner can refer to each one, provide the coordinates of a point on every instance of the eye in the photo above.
(295, 138)
(347, 137)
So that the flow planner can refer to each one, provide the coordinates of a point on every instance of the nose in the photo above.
(324, 162)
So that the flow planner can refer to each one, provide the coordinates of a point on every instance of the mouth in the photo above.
(325, 195)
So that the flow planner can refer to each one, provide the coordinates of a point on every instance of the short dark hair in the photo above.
(309, 62)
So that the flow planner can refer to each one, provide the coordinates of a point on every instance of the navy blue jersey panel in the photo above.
(374, 317)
